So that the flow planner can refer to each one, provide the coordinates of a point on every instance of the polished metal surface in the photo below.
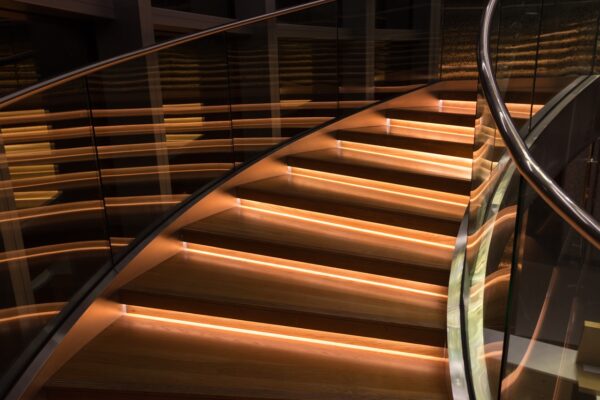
(541, 182)
(90, 69)
(455, 326)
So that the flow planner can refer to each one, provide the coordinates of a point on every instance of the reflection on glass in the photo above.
(104, 158)
(492, 210)
(283, 79)
(461, 20)
(49, 178)
(566, 44)
(531, 66)
(162, 130)
(406, 45)
(17, 65)
(554, 309)
(538, 50)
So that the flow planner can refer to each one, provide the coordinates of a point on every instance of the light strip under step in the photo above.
(447, 204)
(297, 267)
(432, 131)
(285, 333)
(426, 239)
(418, 161)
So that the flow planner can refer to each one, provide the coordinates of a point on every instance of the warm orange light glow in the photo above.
(40, 115)
(54, 155)
(109, 130)
(257, 142)
(16, 151)
(53, 210)
(512, 377)
(457, 106)
(30, 311)
(68, 178)
(37, 196)
(506, 215)
(27, 128)
(426, 162)
(206, 322)
(27, 316)
(383, 187)
(519, 110)
(31, 170)
(164, 169)
(352, 225)
(310, 269)
(30, 116)
(149, 200)
(55, 249)
(496, 354)
(141, 149)
(454, 133)
(504, 276)
(287, 122)
(30, 182)
(27, 113)
(180, 107)
(295, 103)
(120, 241)
(198, 108)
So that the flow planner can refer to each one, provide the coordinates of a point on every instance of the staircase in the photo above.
(327, 281)
(317, 272)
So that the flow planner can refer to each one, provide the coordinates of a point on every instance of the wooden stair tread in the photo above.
(240, 285)
(376, 168)
(433, 115)
(326, 282)
(303, 240)
(167, 357)
(351, 201)
(385, 136)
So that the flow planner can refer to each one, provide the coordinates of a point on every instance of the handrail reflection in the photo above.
(533, 173)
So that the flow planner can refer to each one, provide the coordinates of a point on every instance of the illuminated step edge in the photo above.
(371, 229)
(350, 278)
(417, 161)
(291, 335)
(430, 130)
(448, 205)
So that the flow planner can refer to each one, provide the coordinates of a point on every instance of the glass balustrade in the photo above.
(551, 335)
(91, 166)
(528, 278)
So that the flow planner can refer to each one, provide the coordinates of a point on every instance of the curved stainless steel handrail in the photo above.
(541, 182)
(110, 62)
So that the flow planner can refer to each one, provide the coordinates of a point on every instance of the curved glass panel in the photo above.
(554, 313)
(162, 129)
(52, 217)
(492, 207)
(91, 166)
(530, 42)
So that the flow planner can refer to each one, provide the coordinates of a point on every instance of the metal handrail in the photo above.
(541, 182)
(110, 62)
